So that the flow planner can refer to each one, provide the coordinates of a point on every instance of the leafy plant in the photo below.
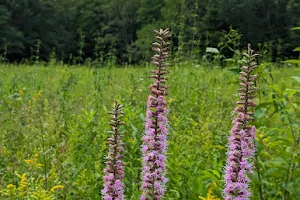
(297, 49)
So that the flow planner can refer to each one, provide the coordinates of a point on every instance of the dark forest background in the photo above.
(120, 31)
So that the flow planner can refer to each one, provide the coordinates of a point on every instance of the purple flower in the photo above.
(156, 128)
(241, 147)
(114, 170)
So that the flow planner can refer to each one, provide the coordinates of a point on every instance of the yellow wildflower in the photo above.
(171, 100)
(210, 195)
(39, 165)
(37, 95)
(28, 161)
(261, 135)
(34, 161)
(23, 181)
(10, 186)
(56, 187)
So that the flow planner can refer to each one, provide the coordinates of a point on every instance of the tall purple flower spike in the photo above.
(241, 147)
(156, 129)
(114, 170)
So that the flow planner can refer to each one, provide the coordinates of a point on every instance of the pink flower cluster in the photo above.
(114, 170)
(156, 129)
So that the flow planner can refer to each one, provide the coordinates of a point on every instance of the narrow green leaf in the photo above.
(296, 29)
(216, 173)
(292, 61)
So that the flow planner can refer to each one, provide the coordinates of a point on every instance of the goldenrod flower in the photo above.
(210, 193)
(34, 161)
(39, 165)
(23, 181)
(56, 187)
(37, 95)
(28, 161)
(10, 186)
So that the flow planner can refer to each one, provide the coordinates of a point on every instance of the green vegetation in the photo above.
(54, 123)
(99, 32)
(63, 63)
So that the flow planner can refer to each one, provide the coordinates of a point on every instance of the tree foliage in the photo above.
(121, 31)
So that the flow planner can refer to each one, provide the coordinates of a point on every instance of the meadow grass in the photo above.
(54, 123)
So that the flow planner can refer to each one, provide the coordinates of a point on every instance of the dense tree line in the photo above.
(121, 31)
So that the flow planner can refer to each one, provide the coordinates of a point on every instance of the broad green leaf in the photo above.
(234, 70)
(264, 105)
(297, 78)
(259, 113)
(297, 49)
(212, 50)
(260, 68)
(290, 92)
(134, 132)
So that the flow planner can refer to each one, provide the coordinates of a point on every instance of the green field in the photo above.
(54, 123)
